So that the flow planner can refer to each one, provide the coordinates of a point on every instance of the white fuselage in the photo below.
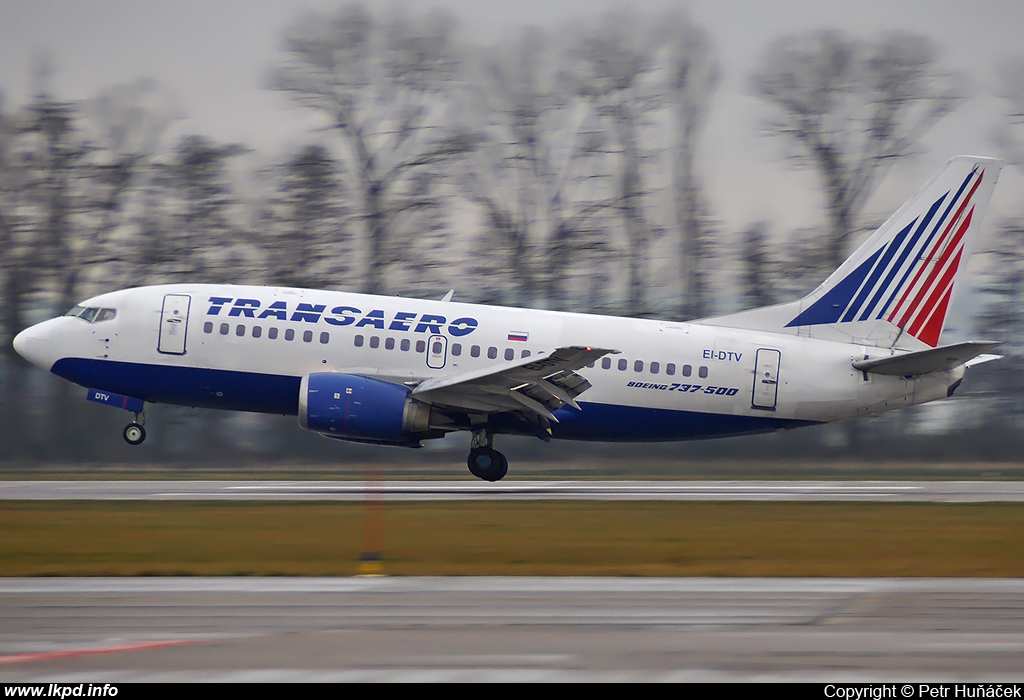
(247, 348)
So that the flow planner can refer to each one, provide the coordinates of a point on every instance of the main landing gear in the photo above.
(484, 461)
(134, 433)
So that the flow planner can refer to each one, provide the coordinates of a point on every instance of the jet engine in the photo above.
(361, 409)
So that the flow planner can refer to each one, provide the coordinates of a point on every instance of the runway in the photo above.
(859, 491)
(110, 630)
(511, 629)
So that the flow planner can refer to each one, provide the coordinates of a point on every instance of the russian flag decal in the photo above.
(519, 336)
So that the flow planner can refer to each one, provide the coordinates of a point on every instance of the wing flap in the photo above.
(937, 359)
(537, 385)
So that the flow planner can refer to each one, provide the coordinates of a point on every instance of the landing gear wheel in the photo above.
(487, 463)
(134, 434)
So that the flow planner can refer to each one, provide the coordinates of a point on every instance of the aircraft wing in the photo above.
(536, 385)
(942, 358)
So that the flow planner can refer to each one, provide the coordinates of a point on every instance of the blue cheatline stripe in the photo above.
(910, 245)
(186, 386)
(830, 307)
(611, 423)
(269, 393)
(876, 271)
(931, 236)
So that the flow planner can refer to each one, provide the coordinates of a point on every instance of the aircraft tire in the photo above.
(487, 464)
(134, 434)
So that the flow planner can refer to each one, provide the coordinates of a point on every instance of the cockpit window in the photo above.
(92, 314)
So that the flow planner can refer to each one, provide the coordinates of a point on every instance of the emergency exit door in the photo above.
(173, 324)
(766, 379)
(437, 352)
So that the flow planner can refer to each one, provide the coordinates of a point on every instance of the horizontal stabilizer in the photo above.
(924, 361)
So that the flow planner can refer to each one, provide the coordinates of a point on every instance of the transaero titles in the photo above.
(402, 321)
(923, 690)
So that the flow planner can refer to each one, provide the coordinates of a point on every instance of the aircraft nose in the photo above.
(36, 344)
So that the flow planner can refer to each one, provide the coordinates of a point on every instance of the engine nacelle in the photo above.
(351, 407)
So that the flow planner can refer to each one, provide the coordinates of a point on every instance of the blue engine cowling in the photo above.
(351, 407)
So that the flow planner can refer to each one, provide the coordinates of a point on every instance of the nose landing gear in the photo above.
(484, 461)
(134, 433)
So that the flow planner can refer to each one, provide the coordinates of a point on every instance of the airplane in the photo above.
(397, 371)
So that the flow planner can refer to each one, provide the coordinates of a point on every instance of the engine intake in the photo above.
(352, 407)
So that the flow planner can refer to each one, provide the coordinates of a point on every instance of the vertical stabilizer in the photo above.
(897, 286)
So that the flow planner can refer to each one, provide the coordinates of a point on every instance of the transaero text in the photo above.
(402, 321)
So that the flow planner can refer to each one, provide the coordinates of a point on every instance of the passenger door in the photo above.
(766, 379)
(173, 324)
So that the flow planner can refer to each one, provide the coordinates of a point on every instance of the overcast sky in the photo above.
(213, 55)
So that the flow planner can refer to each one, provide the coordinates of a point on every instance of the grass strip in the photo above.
(523, 538)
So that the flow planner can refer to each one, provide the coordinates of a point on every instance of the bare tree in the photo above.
(16, 271)
(1009, 134)
(124, 125)
(204, 242)
(311, 244)
(541, 176)
(692, 79)
(612, 71)
(381, 87)
(757, 266)
(849, 109)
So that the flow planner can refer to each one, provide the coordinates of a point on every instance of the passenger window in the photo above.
(208, 327)
(374, 342)
(510, 354)
(456, 349)
(436, 349)
(405, 345)
(239, 330)
(670, 369)
(421, 345)
(622, 365)
(272, 334)
(257, 331)
(289, 334)
(702, 372)
(492, 353)
(526, 353)
(606, 363)
(307, 336)
(224, 329)
(687, 370)
(638, 366)
(655, 366)
(359, 341)
(475, 351)
(389, 343)
(325, 338)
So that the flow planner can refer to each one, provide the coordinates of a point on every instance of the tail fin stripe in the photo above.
(933, 329)
(911, 245)
(920, 256)
(890, 252)
(943, 288)
(941, 266)
(830, 307)
(921, 263)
